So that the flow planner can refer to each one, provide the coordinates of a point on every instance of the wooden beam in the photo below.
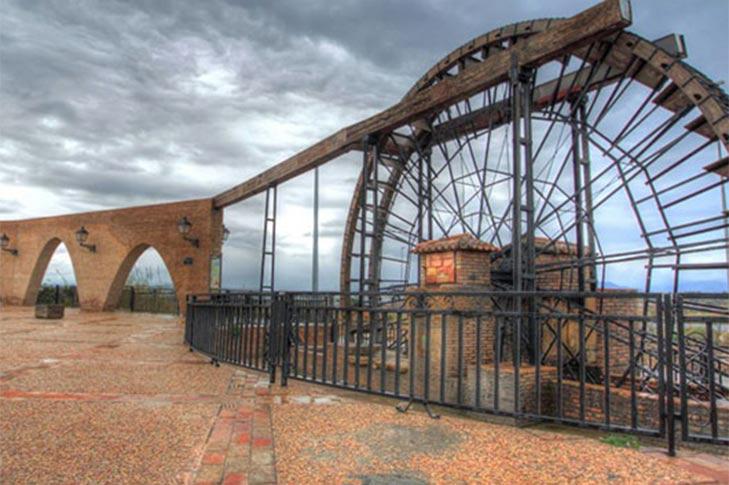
(585, 27)
(720, 167)
(495, 115)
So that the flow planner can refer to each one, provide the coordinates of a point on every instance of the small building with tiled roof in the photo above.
(460, 242)
(455, 260)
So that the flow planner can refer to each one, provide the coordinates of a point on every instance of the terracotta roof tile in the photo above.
(460, 242)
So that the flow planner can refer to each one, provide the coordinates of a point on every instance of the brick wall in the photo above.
(647, 406)
(120, 236)
(439, 268)
(618, 347)
(594, 328)
(457, 264)
(506, 402)
(473, 268)
(558, 278)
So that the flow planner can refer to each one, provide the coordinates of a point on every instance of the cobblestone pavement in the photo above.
(116, 398)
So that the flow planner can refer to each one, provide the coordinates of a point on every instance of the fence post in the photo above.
(286, 340)
(58, 295)
(271, 340)
(666, 345)
(131, 298)
(278, 333)
(189, 320)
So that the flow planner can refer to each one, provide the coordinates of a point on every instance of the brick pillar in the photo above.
(456, 264)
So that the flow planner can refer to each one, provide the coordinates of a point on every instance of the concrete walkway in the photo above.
(116, 398)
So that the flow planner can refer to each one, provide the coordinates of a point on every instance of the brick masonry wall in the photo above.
(528, 402)
(565, 279)
(120, 236)
(618, 347)
(647, 404)
(619, 350)
(455, 269)
(458, 271)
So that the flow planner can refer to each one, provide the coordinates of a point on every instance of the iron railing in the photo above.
(133, 298)
(149, 300)
(58, 294)
(610, 360)
(704, 360)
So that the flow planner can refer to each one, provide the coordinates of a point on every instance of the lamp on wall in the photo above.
(184, 227)
(81, 236)
(226, 233)
(4, 241)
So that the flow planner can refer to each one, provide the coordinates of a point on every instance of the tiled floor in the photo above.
(117, 398)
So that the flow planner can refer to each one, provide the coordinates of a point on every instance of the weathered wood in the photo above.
(495, 115)
(598, 21)
(720, 167)
(702, 127)
(487, 44)
(673, 99)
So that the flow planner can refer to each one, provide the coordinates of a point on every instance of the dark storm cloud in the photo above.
(8, 207)
(114, 103)
(117, 86)
(233, 86)
(118, 186)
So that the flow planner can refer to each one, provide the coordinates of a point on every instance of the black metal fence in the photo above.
(702, 330)
(616, 361)
(133, 298)
(58, 294)
(149, 300)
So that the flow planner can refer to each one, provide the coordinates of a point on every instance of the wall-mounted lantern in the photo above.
(4, 241)
(226, 233)
(81, 236)
(184, 227)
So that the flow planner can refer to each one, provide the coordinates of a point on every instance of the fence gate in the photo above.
(699, 371)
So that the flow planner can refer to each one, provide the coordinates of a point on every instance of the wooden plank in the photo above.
(702, 127)
(495, 115)
(720, 167)
(585, 27)
(673, 99)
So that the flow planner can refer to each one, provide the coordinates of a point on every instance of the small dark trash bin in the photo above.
(52, 311)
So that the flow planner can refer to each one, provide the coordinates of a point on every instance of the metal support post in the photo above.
(315, 245)
(369, 225)
(577, 185)
(278, 336)
(587, 212)
(523, 258)
(269, 252)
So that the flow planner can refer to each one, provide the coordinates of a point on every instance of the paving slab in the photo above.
(116, 398)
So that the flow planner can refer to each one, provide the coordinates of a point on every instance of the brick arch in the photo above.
(119, 237)
(41, 266)
(125, 267)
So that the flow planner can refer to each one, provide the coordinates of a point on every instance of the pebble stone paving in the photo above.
(117, 398)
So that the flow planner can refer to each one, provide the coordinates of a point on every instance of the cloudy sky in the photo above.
(114, 103)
